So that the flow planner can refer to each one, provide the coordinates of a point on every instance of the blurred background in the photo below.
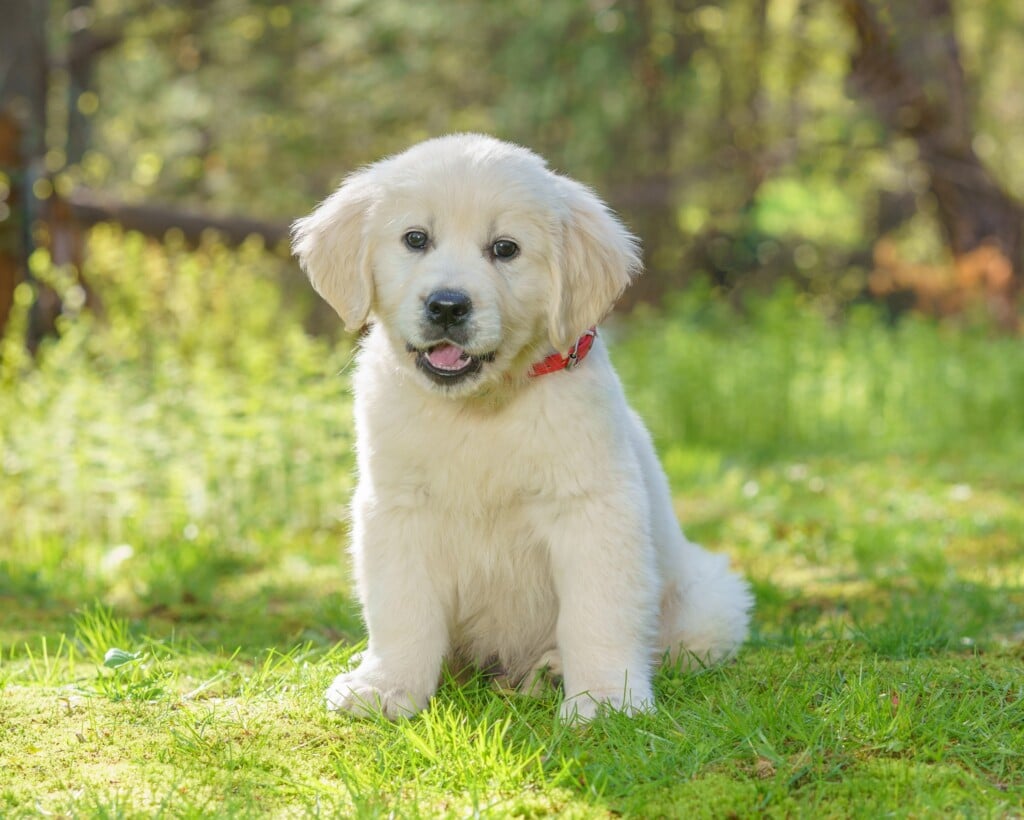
(829, 196)
(859, 149)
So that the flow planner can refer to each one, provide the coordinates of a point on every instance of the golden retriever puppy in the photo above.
(510, 509)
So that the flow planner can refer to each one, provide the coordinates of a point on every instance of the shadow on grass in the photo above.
(228, 600)
(234, 600)
(900, 619)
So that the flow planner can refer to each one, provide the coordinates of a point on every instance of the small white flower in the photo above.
(796, 472)
(960, 492)
(114, 557)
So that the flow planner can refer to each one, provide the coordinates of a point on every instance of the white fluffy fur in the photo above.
(505, 518)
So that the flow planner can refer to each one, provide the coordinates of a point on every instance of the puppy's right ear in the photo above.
(332, 248)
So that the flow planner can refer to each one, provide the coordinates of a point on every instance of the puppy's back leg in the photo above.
(705, 607)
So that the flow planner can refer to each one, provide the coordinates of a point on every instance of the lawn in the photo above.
(173, 486)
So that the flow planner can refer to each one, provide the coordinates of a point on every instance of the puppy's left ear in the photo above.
(597, 261)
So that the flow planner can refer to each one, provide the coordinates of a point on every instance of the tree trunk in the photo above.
(645, 187)
(908, 66)
(23, 87)
(11, 239)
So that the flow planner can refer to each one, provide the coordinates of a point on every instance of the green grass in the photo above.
(173, 483)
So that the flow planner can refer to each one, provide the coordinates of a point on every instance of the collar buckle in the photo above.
(556, 361)
(574, 357)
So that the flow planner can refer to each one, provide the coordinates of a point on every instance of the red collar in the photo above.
(556, 361)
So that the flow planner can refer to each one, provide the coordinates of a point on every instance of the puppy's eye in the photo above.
(415, 240)
(504, 249)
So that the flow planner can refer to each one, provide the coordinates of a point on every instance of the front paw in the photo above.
(584, 707)
(368, 696)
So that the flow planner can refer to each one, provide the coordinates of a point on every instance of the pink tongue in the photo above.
(447, 357)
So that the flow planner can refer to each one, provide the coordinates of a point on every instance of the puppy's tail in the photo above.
(705, 609)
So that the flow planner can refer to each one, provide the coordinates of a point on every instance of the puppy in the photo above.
(510, 509)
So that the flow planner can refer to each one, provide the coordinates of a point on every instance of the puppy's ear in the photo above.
(598, 260)
(332, 248)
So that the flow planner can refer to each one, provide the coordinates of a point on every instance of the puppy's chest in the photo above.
(474, 470)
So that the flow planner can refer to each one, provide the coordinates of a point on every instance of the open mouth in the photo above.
(447, 363)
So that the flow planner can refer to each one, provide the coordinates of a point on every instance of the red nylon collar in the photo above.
(556, 361)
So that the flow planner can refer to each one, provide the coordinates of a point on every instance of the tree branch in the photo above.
(90, 208)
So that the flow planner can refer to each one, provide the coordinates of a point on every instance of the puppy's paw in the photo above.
(584, 707)
(365, 697)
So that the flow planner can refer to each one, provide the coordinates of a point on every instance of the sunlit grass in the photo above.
(174, 599)
(785, 377)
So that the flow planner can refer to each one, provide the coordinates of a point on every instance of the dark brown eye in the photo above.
(415, 240)
(504, 249)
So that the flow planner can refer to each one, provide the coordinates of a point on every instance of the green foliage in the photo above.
(185, 460)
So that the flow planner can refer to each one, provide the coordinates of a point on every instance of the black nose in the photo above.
(448, 307)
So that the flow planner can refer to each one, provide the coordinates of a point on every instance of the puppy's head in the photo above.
(474, 258)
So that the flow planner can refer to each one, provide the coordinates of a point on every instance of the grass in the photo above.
(173, 482)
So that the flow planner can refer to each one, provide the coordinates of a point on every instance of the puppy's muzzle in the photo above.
(445, 309)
